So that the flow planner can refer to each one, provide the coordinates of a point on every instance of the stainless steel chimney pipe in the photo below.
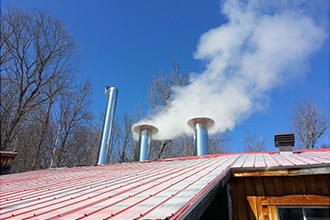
(201, 126)
(145, 132)
(107, 127)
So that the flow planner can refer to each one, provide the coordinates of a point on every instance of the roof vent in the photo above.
(285, 142)
(201, 126)
(145, 132)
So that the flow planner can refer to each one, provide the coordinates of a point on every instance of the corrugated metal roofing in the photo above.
(139, 190)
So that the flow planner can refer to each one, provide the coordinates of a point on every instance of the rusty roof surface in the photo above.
(138, 190)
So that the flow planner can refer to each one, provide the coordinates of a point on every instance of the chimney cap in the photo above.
(208, 122)
(141, 127)
(284, 140)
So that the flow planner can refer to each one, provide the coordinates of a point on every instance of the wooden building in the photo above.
(262, 194)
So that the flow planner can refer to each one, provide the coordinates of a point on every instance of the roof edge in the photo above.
(203, 198)
(281, 171)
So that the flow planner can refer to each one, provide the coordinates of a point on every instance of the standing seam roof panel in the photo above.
(157, 189)
(178, 187)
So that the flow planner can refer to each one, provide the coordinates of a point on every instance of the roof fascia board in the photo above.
(280, 172)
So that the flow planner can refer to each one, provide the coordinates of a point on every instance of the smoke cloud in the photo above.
(262, 45)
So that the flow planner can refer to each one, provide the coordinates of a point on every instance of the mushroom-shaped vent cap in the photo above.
(207, 122)
(143, 127)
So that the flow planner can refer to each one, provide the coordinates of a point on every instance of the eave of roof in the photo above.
(167, 188)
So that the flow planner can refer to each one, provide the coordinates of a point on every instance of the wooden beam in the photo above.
(282, 172)
(299, 200)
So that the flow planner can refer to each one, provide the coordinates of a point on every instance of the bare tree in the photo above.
(45, 116)
(309, 123)
(24, 144)
(73, 116)
(218, 143)
(128, 149)
(126, 139)
(87, 141)
(160, 92)
(253, 143)
(122, 147)
(160, 88)
(37, 55)
(135, 148)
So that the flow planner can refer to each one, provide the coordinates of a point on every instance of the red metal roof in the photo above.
(138, 190)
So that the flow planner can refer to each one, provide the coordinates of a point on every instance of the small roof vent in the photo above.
(284, 142)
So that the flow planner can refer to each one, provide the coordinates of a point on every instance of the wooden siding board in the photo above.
(279, 186)
(327, 183)
(322, 184)
(289, 185)
(269, 186)
(260, 193)
(300, 184)
(242, 205)
(250, 192)
(310, 184)
(249, 186)
(234, 198)
(259, 186)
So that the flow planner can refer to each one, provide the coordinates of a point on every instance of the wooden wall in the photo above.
(257, 197)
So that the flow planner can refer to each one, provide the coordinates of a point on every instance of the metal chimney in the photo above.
(201, 126)
(284, 142)
(145, 132)
(108, 122)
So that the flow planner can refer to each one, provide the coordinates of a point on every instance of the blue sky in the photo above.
(124, 43)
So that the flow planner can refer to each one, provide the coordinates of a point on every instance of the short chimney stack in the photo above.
(145, 132)
(284, 142)
(201, 126)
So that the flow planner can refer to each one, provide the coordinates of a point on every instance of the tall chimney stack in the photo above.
(108, 122)
(145, 132)
(201, 126)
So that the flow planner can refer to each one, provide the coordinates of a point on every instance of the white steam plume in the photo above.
(260, 47)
